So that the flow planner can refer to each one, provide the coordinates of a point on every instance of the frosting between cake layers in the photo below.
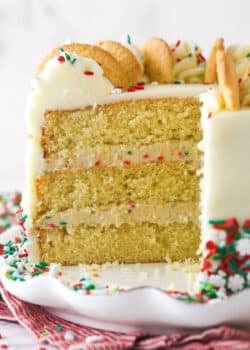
(119, 155)
(125, 213)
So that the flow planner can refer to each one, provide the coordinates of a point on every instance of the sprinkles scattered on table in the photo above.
(225, 269)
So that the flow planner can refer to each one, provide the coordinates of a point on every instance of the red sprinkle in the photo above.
(131, 89)
(247, 224)
(139, 87)
(51, 225)
(98, 163)
(132, 205)
(209, 115)
(42, 348)
(178, 43)
(200, 58)
(4, 346)
(206, 265)
(88, 72)
(18, 240)
(239, 81)
(87, 292)
(180, 153)
(61, 59)
(160, 158)
(127, 162)
(146, 156)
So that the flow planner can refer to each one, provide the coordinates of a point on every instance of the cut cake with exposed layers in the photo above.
(114, 169)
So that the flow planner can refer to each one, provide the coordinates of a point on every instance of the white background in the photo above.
(30, 28)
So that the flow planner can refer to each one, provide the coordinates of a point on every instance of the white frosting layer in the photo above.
(227, 167)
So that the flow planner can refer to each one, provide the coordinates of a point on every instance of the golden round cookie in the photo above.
(126, 59)
(210, 69)
(159, 60)
(227, 80)
(111, 67)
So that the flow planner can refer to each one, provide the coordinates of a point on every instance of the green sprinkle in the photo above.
(196, 48)
(10, 276)
(177, 82)
(130, 152)
(90, 286)
(82, 279)
(61, 49)
(63, 223)
(44, 334)
(237, 236)
(248, 55)
(23, 217)
(186, 153)
(73, 61)
(47, 217)
(246, 229)
(129, 211)
(216, 222)
(58, 328)
(36, 273)
(67, 56)
(128, 39)
(190, 54)
(41, 265)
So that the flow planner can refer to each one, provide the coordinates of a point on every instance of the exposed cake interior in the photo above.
(120, 183)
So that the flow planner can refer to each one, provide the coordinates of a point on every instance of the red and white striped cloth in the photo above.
(44, 326)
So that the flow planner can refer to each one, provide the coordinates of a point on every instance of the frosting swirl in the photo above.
(189, 64)
(241, 56)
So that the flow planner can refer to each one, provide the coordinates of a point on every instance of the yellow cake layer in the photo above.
(92, 187)
(140, 122)
(139, 243)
